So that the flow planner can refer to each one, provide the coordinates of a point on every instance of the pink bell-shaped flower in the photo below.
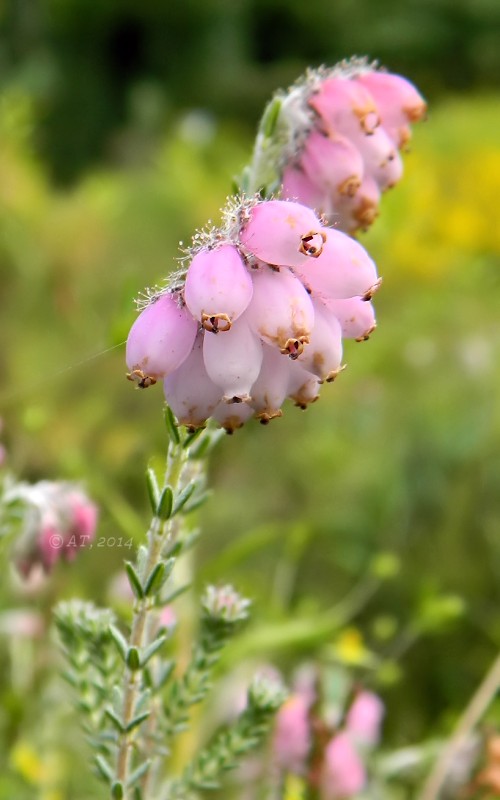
(297, 185)
(344, 268)
(160, 339)
(278, 232)
(333, 164)
(303, 386)
(233, 361)
(218, 287)
(323, 354)
(292, 738)
(398, 102)
(190, 393)
(281, 311)
(232, 416)
(271, 387)
(360, 211)
(345, 108)
(356, 317)
(381, 158)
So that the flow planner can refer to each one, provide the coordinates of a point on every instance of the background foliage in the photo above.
(366, 529)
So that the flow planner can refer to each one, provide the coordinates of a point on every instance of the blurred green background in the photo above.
(365, 529)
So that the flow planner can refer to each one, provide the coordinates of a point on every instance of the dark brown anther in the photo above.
(216, 323)
(311, 244)
(334, 374)
(371, 291)
(366, 335)
(350, 186)
(142, 380)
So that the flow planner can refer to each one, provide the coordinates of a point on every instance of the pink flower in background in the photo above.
(343, 773)
(58, 520)
(346, 128)
(292, 738)
(252, 320)
(364, 718)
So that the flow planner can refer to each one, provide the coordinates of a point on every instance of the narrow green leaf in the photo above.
(156, 578)
(136, 775)
(270, 117)
(183, 497)
(119, 640)
(117, 722)
(173, 595)
(134, 580)
(117, 790)
(133, 658)
(153, 648)
(153, 488)
(196, 502)
(134, 723)
(166, 671)
(104, 768)
(171, 426)
(164, 506)
(192, 437)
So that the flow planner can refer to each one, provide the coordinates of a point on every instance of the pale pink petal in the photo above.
(359, 212)
(344, 268)
(233, 360)
(281, 311)
(218, 287)
(343, 771)
(333, 163)
(232, 416)
(345, 107)
(303, 386)
(190, 393)
(296, 185)
(276, 229)
(356, 317)
(292, 741)
(271, 387)
(364, 718)
(381, 158)
(160, 339)
(323, 354)
(398, 102)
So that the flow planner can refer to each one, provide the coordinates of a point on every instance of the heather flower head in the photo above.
(337, 140)
(58, 519)
(251, 318)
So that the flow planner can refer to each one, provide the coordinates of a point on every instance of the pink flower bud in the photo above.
(323, 354)
(281, 311)
(271, 387)
(190, 393)
(233, 360)
(343, 771)
(345, 108)
(160, 339)
(218, 287)
(276, 231)
(332, 163)
(344, 268)
(292, 735)
(232, 416)
(356, 317)
(364, 718)
(398, 102)
(51, 539)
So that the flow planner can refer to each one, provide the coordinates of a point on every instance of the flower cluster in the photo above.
(334, 761)
(258, 316)
(58, 519)
(345, 127)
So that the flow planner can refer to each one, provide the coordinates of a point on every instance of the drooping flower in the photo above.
(364, 718)
(343, 774)
(251, 320)
(292, 739)
(344, 129)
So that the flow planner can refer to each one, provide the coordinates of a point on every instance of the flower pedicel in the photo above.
(253, 320)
